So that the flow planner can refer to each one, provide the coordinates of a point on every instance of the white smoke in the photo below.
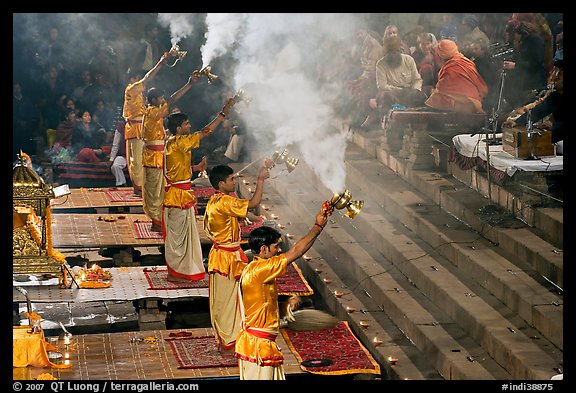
(275, 56)
(221, 32)
(180, 25)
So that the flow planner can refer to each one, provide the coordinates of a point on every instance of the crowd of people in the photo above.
(453, 63)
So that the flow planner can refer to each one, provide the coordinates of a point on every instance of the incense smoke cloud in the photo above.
(221, 33)
(276, 55)
(180, 25)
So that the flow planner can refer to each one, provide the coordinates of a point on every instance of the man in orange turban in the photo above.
(460, 88)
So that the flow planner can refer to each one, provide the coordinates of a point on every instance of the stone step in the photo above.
(466, 203)
(490, 328)
(486, 325)
(547, 222)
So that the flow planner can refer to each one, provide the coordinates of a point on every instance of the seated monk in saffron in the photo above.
(460, 88)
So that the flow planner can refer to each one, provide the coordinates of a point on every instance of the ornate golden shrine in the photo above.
(32, 251)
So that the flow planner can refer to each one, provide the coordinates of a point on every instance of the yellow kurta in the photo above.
(153, 134)
(260, 303)
(134, 107)
(222, 226)
(178, 152)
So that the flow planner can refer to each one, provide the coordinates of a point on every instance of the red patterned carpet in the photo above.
(143, 230)
(200, 352)
(333, 351)
(293, 283)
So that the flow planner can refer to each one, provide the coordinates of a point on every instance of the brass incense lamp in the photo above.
(176, 52)
(277, 157)
(207, 72)
(282, 157)
(341, 201)
(241, 96)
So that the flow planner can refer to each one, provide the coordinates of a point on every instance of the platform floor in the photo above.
(122, 356)
(87, 231)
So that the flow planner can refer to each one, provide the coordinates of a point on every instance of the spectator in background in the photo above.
(364, 86)
(235, 147)
(538, 23)
(526, 71)
(426, 61)
(488, 70)
(51, 49)
(449, 30)
(87, 139)
(65, 130)
(393, 31)
(148, 50)
(494, 26)
(468, 32)
(104, 115)
(460, 87)
(397, 80)
(118, 155)
(85, 82)
(101, 89)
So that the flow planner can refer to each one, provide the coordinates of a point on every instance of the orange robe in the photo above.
(460, 88)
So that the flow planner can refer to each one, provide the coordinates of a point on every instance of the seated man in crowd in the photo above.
(460, 88)
(397, 79)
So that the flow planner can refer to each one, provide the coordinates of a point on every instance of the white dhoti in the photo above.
(224, 313)
(153, 193)
(117, 170)
(252, 371)
(134, 149)
(234, 147)
(182, 248)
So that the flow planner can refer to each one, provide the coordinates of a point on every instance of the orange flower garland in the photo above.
(57, 255)
(94, 284)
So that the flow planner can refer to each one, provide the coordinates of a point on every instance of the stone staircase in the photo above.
(431, 272)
